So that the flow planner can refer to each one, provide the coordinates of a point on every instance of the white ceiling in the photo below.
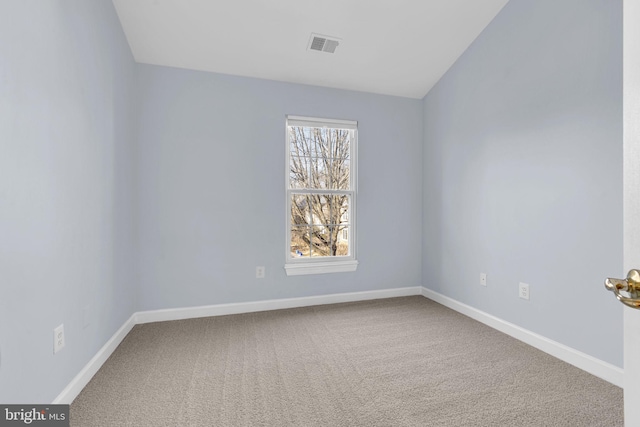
(392, 47)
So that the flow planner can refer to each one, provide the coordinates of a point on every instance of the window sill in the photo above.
(299, 269)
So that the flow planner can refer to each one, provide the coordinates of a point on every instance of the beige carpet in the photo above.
(394, 362)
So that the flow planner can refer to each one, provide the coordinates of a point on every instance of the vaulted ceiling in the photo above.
(392, 47)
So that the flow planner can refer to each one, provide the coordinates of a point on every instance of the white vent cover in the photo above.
(320, 43)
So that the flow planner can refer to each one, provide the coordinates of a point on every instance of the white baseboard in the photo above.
(604, 370)
(79, 382)
(274, 304)
(76, 385)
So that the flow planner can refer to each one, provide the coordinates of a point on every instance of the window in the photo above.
(321, 195)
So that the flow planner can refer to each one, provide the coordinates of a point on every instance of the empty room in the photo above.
(286, 213)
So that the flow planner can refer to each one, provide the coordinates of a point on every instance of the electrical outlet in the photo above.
(260, 272)
(58, 338)
(483, 279)
(523, 291)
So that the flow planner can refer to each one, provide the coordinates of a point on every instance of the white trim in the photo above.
(631, 200)
(597, 367)
(316, 121)
(606, 371)
(274, 304)
(352, 125)
(298, 269)
(73, 389)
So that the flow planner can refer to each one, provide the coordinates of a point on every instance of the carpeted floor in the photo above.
(395, 362)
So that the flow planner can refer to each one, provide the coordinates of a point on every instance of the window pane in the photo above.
(321, 209)
(341, 173)
(323, 143)
(313, 142)
(321, 241)
(300, 242)
(300, 213)
(340, 160)
(299, 141)
(341, 144)
(292, 140)
(342, 206)
(320, 172)
(299, 172)
(342, 235)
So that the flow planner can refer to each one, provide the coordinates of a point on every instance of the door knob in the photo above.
(630, 286)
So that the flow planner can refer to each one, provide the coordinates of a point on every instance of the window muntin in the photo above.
(321, 190)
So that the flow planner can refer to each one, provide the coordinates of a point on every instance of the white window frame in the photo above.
(330, 264)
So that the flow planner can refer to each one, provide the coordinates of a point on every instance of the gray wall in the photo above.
(211, 196)
(66, 217)
(127, 187)
(522, 172)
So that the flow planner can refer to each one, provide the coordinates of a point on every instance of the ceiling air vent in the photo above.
(322, 43)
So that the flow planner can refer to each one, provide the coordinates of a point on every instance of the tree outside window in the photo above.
(320, 188)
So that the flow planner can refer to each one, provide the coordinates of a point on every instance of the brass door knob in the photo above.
(630, 286)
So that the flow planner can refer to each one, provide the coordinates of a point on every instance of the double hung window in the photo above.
(321, 195)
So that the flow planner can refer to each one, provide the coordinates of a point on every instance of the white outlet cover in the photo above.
(523, 291)
(58, 338)
(260, 272)
(483, 279)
